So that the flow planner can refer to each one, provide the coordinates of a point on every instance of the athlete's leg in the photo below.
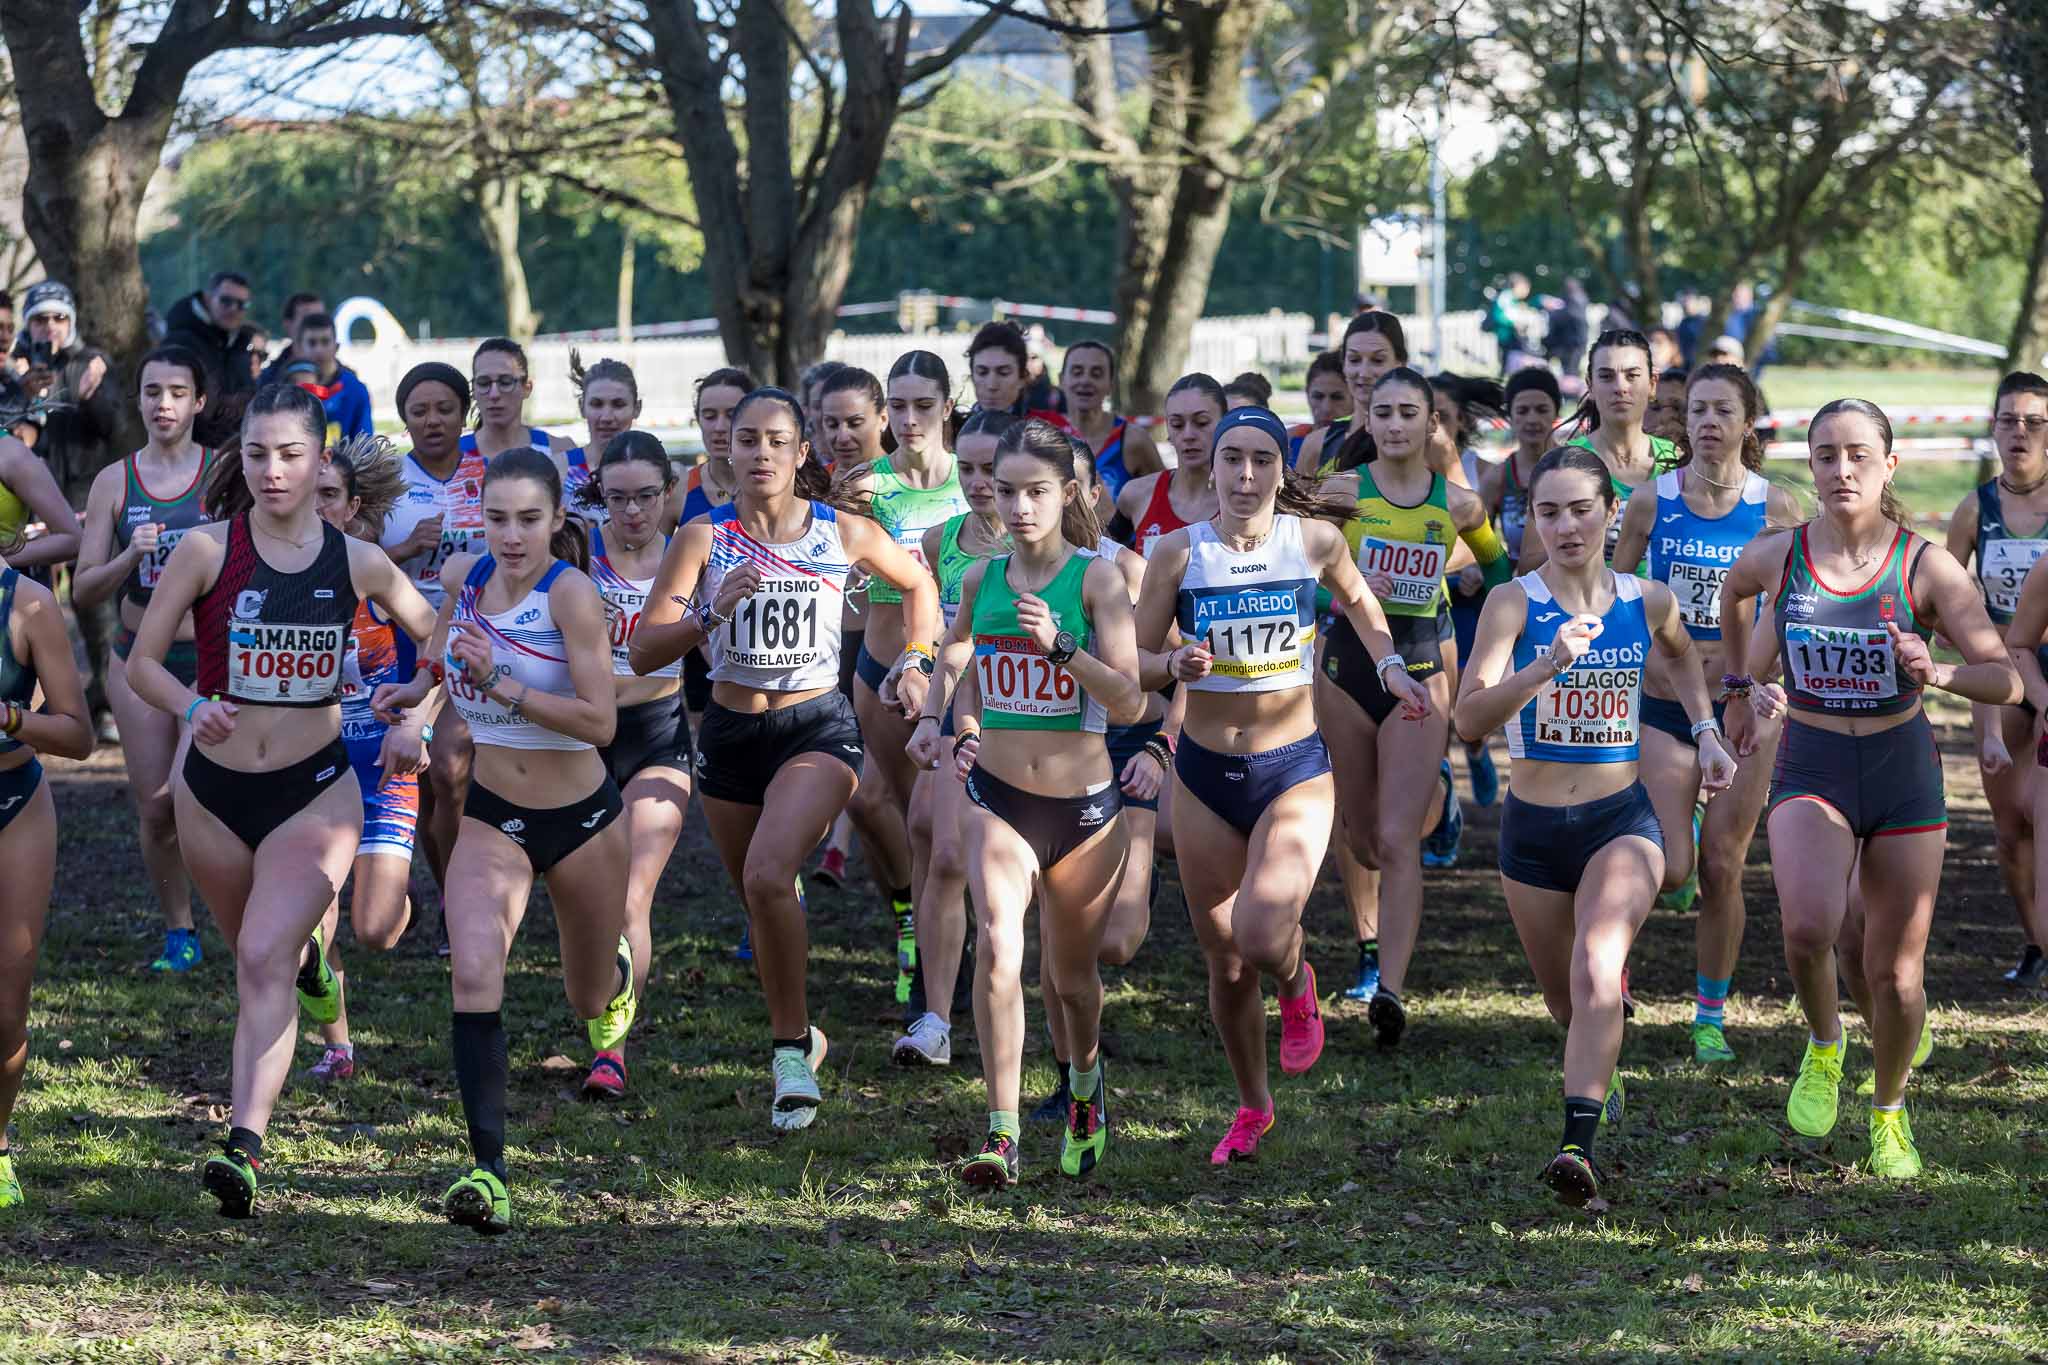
(1130, 916)
(490, 883)
(149, 745)
(657, 799)
(28, 849)
(1001, 872)
(942, 904)
(1671, 770)
(1725, 836)
(2010, 794)
(1077, 898)
(878, 805)
(1210, 870)
(589, 891)
(1900, 875)
(1612, 901)
(1410, 792)
(449, 759)
(1812, 855)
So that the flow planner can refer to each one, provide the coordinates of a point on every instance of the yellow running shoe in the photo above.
(319, 989)
(1817, 1092)
(1892, 1153)
(1617, 1101)
(1920, 1056)
(10, 1187)
(609, 1029)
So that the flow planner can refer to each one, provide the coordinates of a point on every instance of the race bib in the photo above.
(1257, 646)
(2003, 565)
(1698, 590)
(778, 627)
(1591, 708)
(1851, 665)
(1018, 680)
(283, 663)
(1417, 569)
(151, 567)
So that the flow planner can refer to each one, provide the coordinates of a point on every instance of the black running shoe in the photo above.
(1053, 1109)
(1573, 1176)
(231, 1179)
(2033, 967)
(1388, 1016)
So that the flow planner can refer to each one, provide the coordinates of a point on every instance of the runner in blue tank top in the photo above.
(1857, 816)
(2002, 529)
(1559, 660)
(1702, 516)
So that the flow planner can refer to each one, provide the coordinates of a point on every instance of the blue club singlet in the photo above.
(1591, 713)
(1691, 554)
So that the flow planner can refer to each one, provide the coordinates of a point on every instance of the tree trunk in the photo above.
(499, 199)
(2028, 348)
(627, 245)
(1773, 310)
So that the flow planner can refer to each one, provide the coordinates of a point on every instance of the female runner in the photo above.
(1252, 795)
(130, 532)
(1858, 787)
(1581, 853)
(649, 757)
(1533, 403)
(439, 515)
(2003, 526)
(709, 484)
(1047, 630)
(1373, 344)
(1329, 398)
(1704, 514)
(523, 649)
(609, 397)
(498, 373)
(937, 840)
(35, 649)
(1388, 776)
(269, 814)
(1122, 451)
(1154, 504)
(357, 488)
(779, 751)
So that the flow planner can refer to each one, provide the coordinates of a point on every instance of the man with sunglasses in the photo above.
(214, 323)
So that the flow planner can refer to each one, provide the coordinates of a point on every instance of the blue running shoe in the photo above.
(1485, 777)
(181, 951)
(744, 949)
(1440, 849)
(1368, 983)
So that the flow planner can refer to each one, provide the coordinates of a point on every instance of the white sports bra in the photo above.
(1255, 609)
(526, 647)
(785, 637)
(624, 600)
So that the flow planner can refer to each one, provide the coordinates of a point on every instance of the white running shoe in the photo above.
(928, 1043)
(796, 1085)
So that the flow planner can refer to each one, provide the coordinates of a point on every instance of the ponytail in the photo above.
(370, 472)
(1300, 495)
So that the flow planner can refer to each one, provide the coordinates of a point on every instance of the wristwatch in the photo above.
(921, 662)
(1064, 647)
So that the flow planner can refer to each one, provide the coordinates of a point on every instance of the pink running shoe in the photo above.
(335, 1064)
(1241, 1143)
(1301, 1028)
(832, 868)
(607, 1078)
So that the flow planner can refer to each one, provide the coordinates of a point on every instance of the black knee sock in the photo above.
(248, 1142)
(482, 1072)
(1581, 1123)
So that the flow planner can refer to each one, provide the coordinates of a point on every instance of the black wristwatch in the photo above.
(1064, 647)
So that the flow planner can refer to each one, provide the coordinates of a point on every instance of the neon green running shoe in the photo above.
(1892, 1153)
(1920, 1056)
(608, 1030)
(231, 1179)
(1612, 1107)
(479, 1201)
(1086, 1139)
(1710, 1044)
(906, 950)
(994, 1167)
(10, 1187)
(319, 991)
(1816, 1093)
(1682, 896)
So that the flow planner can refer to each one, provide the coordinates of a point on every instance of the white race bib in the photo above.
(1698, 590)
(1591, 708)
(1257, 646)
(1417, 569)
(1018, 680)
(779, 626)
(1841, 663)
(2003, 566)
(283, 663)
(152, 566)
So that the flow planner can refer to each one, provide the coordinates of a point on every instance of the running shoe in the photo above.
(609, 1029)
(1574, 1177)
(1301, 1027)
(2033, 967)
(994, 1167)
(1817, 1092)
(1892, 1153)
(1485, 777)
(906, 950)
(831, 869)
(1388, 1017)
(479, 1201)
(803, 899)
(1682, 896)
(1628, 1001)
(1616, 1103)
(181, 951)
(607, 1078)
(1920, 1056)
(1710, 1044)
(1241, 1143)
(335, 1064)
(1087, 1136)
(1440, 849)
(1053, 1108)
(744, 949)
(10, 1187)
(928, 1043)
(796, 1085)
(319, 991)
(1368, 983)
(231, 1179)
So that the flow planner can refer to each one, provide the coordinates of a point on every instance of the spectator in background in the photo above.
(73, 437)
(1564, 341)
(1249, 390)
(1504, 318)
(1726, 350)
(213, 323)
(1743, 312)
(6, 322)
(340, 391)
(1039, 391)
(295, 308)
(1693, 307)
(259, 351)
(1664, 351)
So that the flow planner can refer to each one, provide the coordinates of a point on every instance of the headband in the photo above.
(1253, 416)
(434, 372)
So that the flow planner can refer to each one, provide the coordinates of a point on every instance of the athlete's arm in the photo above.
(1782, 510)
(2028, 631)
(36, 626)
(1131, 499)
(668, 629)
(1141, 453)
(378, 580)
(1331, 553)
(1961, 540)
(32, 482)
(1158, 596)
(1638, 519)
(1988, 674)
(872, 549)
(1682, 671)
(591, 712)
(955, 655)
(192, 568)
(1488, 694)
(1756, 571)
(1493, 483)
(1476, 532)
(1108, 669)
(929, 545)
(1311, 457)
(99, 572)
